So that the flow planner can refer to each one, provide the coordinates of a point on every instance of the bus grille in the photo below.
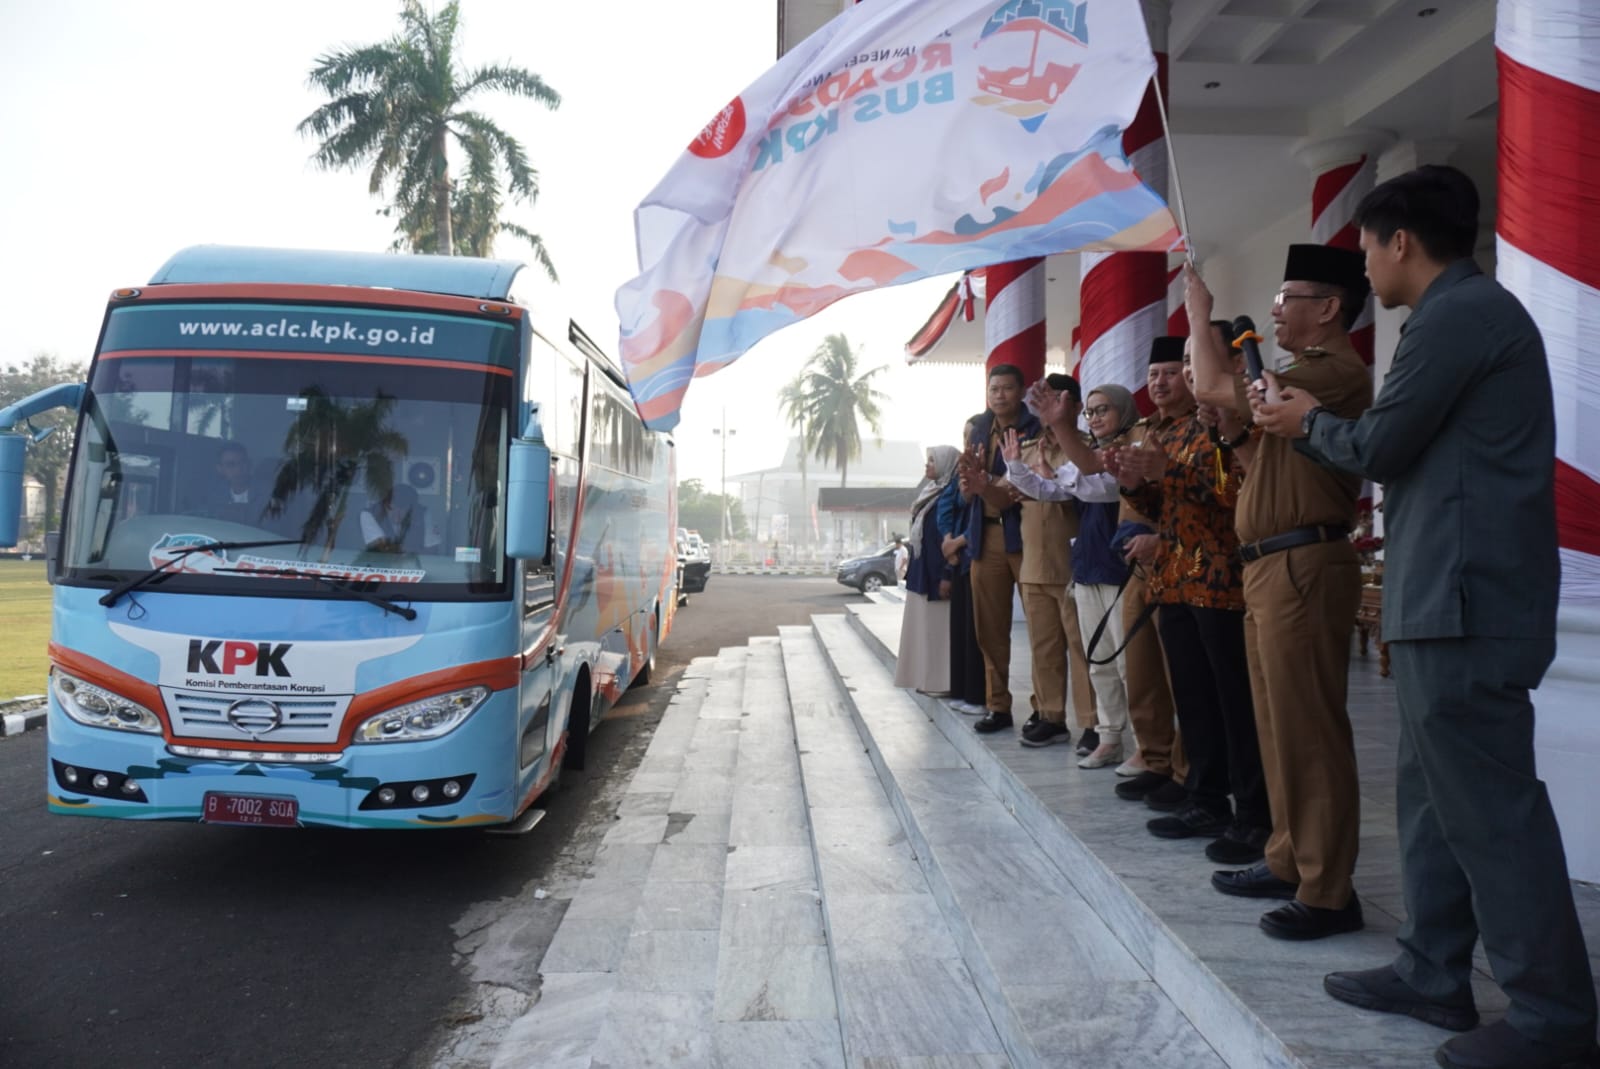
(265, 717)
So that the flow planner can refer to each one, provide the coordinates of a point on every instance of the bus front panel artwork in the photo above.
(284, 595)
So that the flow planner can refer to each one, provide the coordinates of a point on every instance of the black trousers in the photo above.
(966, 660)
(1480, 851)
(1211, 690)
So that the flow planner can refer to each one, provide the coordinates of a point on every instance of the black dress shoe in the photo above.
(1257, 881)
(1300, 921)
(1190, 821)
(1382, 989)
(1500, 1046)
(992, 722)
(1167, 798)
(1139, 787)
(1240, 845)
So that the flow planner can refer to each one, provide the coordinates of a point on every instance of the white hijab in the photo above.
(944, 459)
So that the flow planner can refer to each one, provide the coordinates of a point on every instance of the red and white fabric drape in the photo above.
(1013, 317)
(1123, 298)
(1334, 196)
(1548, 234)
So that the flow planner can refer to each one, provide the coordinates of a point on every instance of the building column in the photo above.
(1344, 169)
(1549, 198)
(1123, 297)
(1013, 317)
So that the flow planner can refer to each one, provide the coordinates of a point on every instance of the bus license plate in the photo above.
(251, 810)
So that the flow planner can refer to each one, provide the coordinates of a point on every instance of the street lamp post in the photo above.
(724, 433)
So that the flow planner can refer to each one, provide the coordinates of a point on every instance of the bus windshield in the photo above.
(352, 468)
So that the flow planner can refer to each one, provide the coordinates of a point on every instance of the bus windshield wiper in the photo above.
(404, 611)
(112, 596)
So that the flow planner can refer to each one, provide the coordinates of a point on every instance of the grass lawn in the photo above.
(25, 602)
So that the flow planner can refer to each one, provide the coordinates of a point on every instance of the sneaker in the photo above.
(992, 722)
(1241, 844)
(1107, 753)
(1088, 742)
(1190, 821)
(1038, 732)
(1135, 789)
(1167, 798)
(964, 708)
(1133, 766)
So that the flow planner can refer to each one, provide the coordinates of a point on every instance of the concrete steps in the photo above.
(1060, 985)
(1256, 1001)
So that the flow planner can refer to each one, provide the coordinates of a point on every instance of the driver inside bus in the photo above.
(397, 524)
(234, 494)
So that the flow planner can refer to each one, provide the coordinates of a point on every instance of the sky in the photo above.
(136, 130)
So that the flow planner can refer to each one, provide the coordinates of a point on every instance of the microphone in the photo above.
(1247, 341)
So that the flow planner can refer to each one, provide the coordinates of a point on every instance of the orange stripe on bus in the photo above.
(348, 295)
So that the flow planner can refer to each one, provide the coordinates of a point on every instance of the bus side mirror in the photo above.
(528, 494)
(13, 453)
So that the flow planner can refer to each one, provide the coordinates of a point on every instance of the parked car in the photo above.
(871, 572)
(694, 565)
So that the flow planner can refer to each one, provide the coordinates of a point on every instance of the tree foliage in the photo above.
(46, 459)
(397, 107)
(829, 399)
(701, 511)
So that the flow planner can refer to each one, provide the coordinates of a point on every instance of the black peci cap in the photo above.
(1166, 350)
(1329, 265)
(1065, 384)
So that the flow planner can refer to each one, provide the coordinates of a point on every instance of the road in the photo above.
(129, 944)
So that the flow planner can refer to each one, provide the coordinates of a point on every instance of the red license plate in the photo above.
(250, 809)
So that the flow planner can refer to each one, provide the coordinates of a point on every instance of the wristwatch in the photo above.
(1309, 418)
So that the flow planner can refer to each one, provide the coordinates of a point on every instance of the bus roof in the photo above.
(459, 276)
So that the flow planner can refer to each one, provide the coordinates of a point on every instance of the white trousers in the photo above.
(1109, 680)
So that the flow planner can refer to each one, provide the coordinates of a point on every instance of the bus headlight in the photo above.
(427, 719)
(101, 708)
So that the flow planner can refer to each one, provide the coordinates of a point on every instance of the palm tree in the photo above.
(397, 105)
(474, 223)
(837, 398)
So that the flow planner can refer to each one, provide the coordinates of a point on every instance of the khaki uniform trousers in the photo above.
(1300, 611)
(1150, 708)
(995, 574)
(1055, 641)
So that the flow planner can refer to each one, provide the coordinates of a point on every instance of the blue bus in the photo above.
(348, 540)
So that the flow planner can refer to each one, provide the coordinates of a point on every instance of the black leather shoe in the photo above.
(1499, 1046)
(1240, 845)
(1139, 787)
(1300, 921)
(1382, 989)
(1167, 798)
(992, 722)
(1257, 881)
(1190, 821)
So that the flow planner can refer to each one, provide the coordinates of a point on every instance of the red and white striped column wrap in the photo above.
(1123, 298)
(1548, 240)
(1013, 317)
(1334, 196)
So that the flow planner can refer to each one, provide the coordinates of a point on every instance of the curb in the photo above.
(15, 723)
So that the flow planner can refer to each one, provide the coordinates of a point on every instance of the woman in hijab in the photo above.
(925, 629)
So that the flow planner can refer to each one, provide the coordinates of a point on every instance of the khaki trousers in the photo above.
(1149, 693)
(1093, 601)
(1300, 611)
(1054, 639)
(994, 577)
(1080, 686)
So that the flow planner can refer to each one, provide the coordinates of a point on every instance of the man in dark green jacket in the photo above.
(1462, 436)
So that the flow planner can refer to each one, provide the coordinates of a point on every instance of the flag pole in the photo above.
(1172, 164)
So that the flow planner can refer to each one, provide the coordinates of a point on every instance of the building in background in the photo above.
(782, 505)
(1283, 113)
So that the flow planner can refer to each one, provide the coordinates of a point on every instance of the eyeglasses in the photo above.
(1096, 410)
(1279, 298)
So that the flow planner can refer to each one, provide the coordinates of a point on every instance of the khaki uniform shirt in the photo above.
(1287, 489)
(1048, 528)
